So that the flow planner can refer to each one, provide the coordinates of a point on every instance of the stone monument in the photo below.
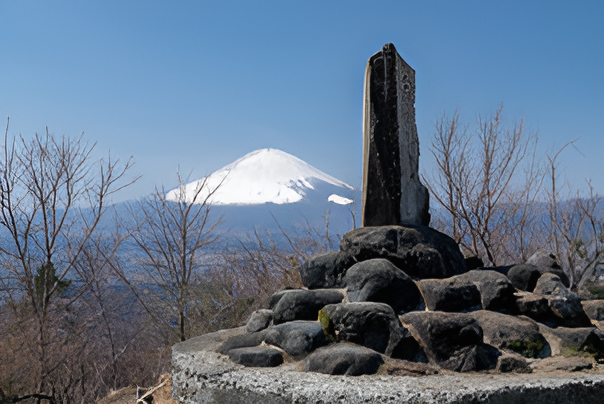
(392, 191)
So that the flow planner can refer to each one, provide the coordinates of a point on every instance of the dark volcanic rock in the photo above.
(419, 251)
(548, 263)
(568, 311)
(566, 364)
(507, 363)
(296, 337)
(452, 295)
(300, 304)
(326, 270)
(549, 284)
(496, 290)
(574, 341)
(275, 297)
(524, 277)
(241, 341)
(453, 341)
(518, 334)
(565, 305)
(473, 262)
(534, 306)
(373, 325)
(378, 280)
(259, 320)
(594, 309)
(256, 356)
(344, 359)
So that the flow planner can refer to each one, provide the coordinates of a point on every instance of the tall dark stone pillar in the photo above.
(392, 191)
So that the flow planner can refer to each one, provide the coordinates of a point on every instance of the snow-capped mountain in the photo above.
(263, 176)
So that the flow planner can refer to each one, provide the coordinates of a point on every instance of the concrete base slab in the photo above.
(200, 375)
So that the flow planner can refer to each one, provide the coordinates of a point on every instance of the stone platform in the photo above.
(200, 375)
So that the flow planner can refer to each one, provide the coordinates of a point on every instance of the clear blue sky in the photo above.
(197, 84)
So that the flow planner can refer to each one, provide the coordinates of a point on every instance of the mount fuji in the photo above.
(262, 176)
(270, 188)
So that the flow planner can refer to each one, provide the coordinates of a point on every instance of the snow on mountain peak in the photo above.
(262, 176)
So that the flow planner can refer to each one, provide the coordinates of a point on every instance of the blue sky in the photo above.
(194, 85)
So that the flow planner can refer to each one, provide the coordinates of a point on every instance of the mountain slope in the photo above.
(264, 176)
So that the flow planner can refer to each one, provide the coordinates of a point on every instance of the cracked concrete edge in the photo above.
(200, 375)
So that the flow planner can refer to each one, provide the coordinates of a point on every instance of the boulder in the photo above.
(300, 304)
(241, 341)
(259, 320)
(518, 334)
(548, 263)
(496, 290)
(452, 341)
(275, 297)
(421, 252)
(566, 364)
(372, 325)
(594, 309)
(533, 306)
(473, 262)
(454, 294)
(378, 280)
(512, 363)
(344, 359)
(549, 284)
(326, 270)
(574, 341)
(256, 356)
(524, 276)
(296, 337)
(565, 305)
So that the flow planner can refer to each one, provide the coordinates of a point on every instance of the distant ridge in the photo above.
(260, 177)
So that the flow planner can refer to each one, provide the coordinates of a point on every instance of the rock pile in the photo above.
(399, 294)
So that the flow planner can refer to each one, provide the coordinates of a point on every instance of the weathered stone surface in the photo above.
(300, 304)
(392, 191)
(594, 309)
(344, 359)
(548, 263)
(507, 363)
(496, 290)
(406, 347)
(378, 280)
(565, 305)
(275, 297)
(453, 294)
(296, 337)
(567, 364)
(574, 341)
(534, 306)
(453, 341)
(372, 325)
(549, 284)
(326, 270)
(218, 380)
(259, 320)
(256, 356)
(419, 251)
(401, 367)
(518, 334)
(524, 277)
(241, 341)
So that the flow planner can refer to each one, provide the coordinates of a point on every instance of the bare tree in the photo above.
(170, 252)
(479, 183)
(53, 194)
(576, 227)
